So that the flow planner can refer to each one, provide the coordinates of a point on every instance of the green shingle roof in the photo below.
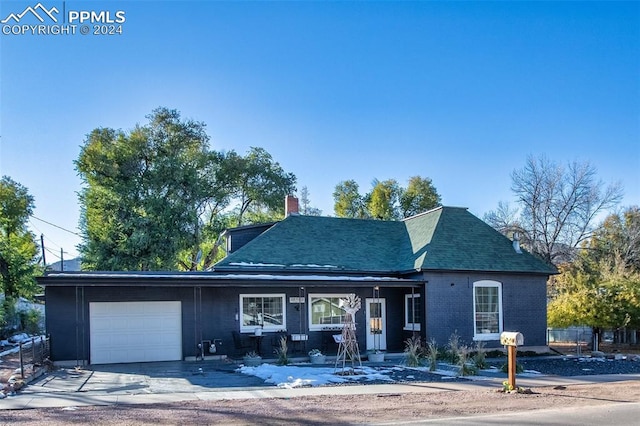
(446, 238)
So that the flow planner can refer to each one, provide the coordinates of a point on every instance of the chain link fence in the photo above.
(577, 337)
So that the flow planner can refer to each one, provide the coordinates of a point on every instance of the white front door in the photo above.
(376, 324)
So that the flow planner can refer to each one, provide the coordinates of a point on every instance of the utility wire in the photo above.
(53, 253)
(43, 234)
(59, 227)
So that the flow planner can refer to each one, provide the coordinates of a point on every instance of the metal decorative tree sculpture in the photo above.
(348, 349)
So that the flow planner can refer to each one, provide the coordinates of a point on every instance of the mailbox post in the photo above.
(511, 339)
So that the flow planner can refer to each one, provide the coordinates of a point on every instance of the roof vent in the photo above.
(516, 242)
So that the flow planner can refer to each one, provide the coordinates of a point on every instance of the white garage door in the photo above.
(135, 331)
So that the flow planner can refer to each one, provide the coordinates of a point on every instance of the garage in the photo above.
(135, 331)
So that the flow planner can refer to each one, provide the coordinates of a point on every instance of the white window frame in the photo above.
(320, 327)
(272, 328)
(415, 299)
(485, 284)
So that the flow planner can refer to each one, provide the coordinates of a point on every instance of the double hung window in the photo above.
(487, 310)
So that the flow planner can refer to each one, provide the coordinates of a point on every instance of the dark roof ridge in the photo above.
(364, 219)
(433, 210)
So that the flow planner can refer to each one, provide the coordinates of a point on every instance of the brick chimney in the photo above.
(291, 205)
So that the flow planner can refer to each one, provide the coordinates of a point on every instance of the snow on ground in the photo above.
(292, 376)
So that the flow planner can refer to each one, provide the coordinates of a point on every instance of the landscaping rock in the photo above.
(597, 354)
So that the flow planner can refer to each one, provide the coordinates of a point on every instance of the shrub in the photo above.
(30, 321)
(413, 351)
(432, 354)
(7, 318)
(465, 367)
(453, 348)
(480, 356)
(505, 368)
(281, 352)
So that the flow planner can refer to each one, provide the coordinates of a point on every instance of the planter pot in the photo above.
(318, 359)
(373, 357)
(252, 361)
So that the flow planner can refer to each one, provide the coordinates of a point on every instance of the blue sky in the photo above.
(461, 92)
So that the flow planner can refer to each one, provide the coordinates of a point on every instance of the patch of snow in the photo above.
(216, 276)
(530, 373)
(10, 351)
(311, 265)
(19, 338)
(296, 376)
(255, 264)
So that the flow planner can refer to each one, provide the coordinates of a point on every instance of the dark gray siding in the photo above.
(207, 313)
(449, 306)
(238, 237)
(67, 314)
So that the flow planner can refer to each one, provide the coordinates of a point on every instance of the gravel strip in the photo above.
(573, 366)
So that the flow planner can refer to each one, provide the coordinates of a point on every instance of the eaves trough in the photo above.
(209, 279)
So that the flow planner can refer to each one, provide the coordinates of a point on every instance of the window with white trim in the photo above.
(262, 310)
(487, 310)
(326, 311)
(412, 312)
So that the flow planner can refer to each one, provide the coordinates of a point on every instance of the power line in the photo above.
(59, 227)
(42, 233)
(53, 253)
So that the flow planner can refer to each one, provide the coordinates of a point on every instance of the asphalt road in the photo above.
(621, 414)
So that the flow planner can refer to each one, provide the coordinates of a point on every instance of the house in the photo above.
(433, 274)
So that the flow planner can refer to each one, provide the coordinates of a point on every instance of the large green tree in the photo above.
(141, 193)
(157, 197)
(419, 196)
(617, 241)
(18, 249)
(601, 287)
(259, 185)
(586, 294)
(384, 199)
(387, 200)
(348, 202)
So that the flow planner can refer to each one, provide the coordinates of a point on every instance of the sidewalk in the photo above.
(116, 387)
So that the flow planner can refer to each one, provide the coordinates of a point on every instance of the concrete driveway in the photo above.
(145, 378)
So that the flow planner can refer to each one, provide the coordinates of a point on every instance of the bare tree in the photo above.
(558, 205)
(305, 204)
(504, 219)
